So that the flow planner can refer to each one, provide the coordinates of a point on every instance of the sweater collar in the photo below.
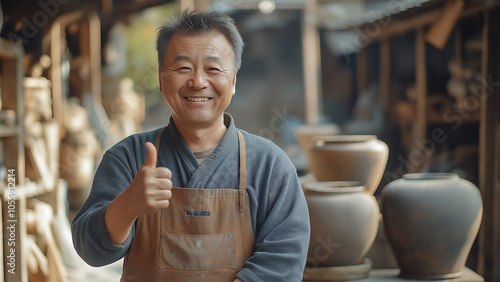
(188, 158)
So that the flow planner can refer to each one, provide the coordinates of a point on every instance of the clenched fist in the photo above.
(152, 185)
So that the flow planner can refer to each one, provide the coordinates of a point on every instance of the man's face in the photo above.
(197, 78)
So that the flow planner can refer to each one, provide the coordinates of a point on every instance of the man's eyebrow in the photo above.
(215, 59)
(181, 58)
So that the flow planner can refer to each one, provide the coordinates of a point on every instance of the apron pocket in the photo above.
(196, 252)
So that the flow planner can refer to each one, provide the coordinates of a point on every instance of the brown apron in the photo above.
(204, 234)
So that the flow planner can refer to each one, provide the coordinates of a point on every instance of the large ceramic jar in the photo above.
(349, 158)
(431, 221)
(344, 223)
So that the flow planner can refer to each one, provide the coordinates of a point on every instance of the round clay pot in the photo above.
(431, 221)
(349, 158)
(344, 223)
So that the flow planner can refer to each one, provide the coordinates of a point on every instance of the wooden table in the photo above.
(388, 275)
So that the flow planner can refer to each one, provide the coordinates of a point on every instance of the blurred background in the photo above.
(78, 76)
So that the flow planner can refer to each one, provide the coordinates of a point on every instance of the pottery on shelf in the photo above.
(344, 223)
(349, 158)
(431, 221)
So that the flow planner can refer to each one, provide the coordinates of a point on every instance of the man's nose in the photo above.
(198, 79)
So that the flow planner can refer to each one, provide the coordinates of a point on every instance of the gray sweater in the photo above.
(280, 219)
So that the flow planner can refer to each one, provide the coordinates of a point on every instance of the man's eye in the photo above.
(183, 69)
(213, 69)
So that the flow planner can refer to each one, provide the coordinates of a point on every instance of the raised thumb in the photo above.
(151, 157)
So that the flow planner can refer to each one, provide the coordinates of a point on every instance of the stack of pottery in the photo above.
(431, 221)
(343, 214)
(344, 223)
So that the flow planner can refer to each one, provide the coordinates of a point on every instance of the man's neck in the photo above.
(200, 139)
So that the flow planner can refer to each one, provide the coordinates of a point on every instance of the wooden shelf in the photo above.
(387, 275)
(8, 131)
(7, 49)
(28, 190)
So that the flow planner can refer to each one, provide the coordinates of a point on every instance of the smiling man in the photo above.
(197, 200)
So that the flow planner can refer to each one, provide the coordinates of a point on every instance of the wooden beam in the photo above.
(389, 27)
(311, 61)
(441, 28)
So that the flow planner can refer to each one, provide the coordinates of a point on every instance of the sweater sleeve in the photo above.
(282, 238)
(90, 236)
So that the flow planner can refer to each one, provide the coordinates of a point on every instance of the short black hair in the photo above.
(194, 22)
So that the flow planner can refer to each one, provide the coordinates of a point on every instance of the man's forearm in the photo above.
(118, 221)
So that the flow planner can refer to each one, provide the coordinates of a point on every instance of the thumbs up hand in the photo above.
(151, 188)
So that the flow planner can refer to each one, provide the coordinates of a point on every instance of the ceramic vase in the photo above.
(344, 223)
(349, 158)
(431, 221)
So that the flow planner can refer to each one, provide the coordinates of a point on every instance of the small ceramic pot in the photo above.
(349, 158)
(344, 223)
(431, 221)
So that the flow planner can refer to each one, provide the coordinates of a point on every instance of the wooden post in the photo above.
(361, 71)
(95, 57)
(56, 74)
(311, 61)
(14, 203)
(489, 150)
(417, 156)
(385, 73)
(90, 46)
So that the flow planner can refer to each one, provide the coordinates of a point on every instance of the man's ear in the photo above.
(159, 79)
(234, 84)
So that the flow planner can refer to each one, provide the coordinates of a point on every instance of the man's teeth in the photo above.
(197, 99)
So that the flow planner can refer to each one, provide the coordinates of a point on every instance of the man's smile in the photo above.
(198, 99)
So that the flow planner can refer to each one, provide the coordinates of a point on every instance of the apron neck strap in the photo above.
(243, 162)
(157, 142)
